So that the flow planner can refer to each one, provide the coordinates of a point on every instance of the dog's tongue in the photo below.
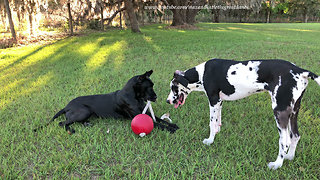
(176, 105)
(179, 102)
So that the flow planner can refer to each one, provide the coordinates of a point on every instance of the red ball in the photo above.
(142, 123)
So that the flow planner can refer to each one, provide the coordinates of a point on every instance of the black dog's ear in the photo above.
(143, 76)
(148, 73)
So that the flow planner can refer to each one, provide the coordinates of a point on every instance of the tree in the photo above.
(132, 16)
(100, 5)
(70, 18)
(116, 6)
(119, 7)
(13, 32)
(3, 14)
(304, 7)
(19, 8)
(30, 9)
(215, 12)
(182, 10)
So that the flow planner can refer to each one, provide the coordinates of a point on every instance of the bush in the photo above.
(94, 24)
(7, 43)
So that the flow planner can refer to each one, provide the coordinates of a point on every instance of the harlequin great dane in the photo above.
(232, 80)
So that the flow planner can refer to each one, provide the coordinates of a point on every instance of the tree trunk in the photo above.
(13, 32)
(305, 15)
(19, 17)
(4, 21)
(102, 24)
(142, 16)
(30, 23)
(216, 13)
(119, 7)
(268, 15)
(191, 16)
(70, 18)
(184, 15)
(177, 18)
(30, 9)
(4, 17)
(132, 16)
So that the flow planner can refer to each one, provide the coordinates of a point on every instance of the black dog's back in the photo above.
(103, 105)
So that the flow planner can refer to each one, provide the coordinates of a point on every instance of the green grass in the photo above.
(37, 81)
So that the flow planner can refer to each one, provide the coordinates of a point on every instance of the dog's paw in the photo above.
(207, 141)
(61, 123)
(71, 131)
(289, 157)
(87, 124)
(274, 165)
(174, 126)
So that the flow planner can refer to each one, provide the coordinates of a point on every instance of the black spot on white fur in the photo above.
(279, 130)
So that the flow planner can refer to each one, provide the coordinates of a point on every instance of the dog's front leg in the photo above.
(215, 121)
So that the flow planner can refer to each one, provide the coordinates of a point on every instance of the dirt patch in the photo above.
(23, 40)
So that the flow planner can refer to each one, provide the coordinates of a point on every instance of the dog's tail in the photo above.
(62, 111)
(315, 77)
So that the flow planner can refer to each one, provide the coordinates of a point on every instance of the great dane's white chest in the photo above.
(244, 80)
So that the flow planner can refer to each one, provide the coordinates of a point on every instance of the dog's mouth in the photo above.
(179, 101)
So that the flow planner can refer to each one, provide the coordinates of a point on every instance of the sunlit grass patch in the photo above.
(114, 52)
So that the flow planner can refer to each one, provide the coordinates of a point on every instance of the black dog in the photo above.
(125, 103)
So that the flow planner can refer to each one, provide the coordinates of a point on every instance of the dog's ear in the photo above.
(178, 73)
(145, 75)
(148, 73)
(179, 77)
(182, 80)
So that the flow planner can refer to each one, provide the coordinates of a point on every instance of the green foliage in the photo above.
(37, 81)
(94, 24)
(281, 8)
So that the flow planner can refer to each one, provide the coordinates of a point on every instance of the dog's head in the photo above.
(143, 87)
(179, 89)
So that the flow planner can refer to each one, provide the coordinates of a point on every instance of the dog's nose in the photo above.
(168, 101)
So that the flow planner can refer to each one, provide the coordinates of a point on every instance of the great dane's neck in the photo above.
(195, 77)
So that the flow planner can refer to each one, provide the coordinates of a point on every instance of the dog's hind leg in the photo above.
(282, 119)
(79, 114)
(294, 133)
(298, 91)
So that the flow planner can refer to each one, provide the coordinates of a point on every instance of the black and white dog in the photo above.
(122, 104)
(231, 80)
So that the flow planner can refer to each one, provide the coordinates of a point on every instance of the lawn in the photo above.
(37, 81)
